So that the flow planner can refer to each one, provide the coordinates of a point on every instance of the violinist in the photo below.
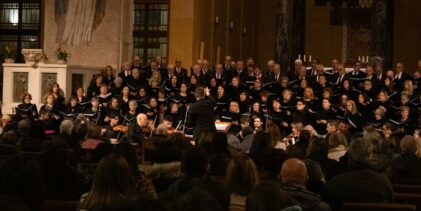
(26, 110)
(257, 125)
(135, 132)
(293, 138)
(112, 130)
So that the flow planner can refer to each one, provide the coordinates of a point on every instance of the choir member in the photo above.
(126, 72)
(234, 88)
(117, 87)
(130, 115)
(58, 98)
(244, 102)
(94, 87)
(112, 109)
(135, 82)
(26, 110)
(108, 76)
(233, 116)
(221, 101)
(124, 98)
(104, 97)
(353, 117)
(95, 113)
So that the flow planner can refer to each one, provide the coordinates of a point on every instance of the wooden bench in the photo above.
(377, 206)
(52, 205)
(408, 198)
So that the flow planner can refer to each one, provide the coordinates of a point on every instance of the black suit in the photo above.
(201, 116)
(125, 77)
(181, 73)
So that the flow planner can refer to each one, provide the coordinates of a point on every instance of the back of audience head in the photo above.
(10, 137)
(274, 133)
(408, 145)
(318, 147)
(269, 197)
(66, 127)
(22, 179)
(361, 152)
(261, 140)
(112, 182)
(101, 151)
(336, 139)
(220, 143)
(55, 152)
(129, 153)
(198, 200)
(242, 175)
(294, 171)
(194, 162)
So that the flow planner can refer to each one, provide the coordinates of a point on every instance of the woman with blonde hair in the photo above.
(113, 182)
(241, 178)
(353, 117)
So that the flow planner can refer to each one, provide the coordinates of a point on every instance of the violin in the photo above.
(121, 128)
(290, 139)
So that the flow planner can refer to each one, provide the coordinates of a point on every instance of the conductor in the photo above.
(200, 114)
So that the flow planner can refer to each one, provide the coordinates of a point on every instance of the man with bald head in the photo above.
(294, 177)
(135, 132)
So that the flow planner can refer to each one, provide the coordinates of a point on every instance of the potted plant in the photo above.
(9, 55)
(61, 56)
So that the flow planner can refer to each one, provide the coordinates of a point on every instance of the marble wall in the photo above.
(110, 40)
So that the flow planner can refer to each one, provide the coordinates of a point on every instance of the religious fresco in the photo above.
(20, 81)
(47, 79)
(77, 19)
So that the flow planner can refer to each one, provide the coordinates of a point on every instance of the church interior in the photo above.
(234, 105)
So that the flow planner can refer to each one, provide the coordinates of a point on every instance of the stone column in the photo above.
(382, 28)
(289, 31)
